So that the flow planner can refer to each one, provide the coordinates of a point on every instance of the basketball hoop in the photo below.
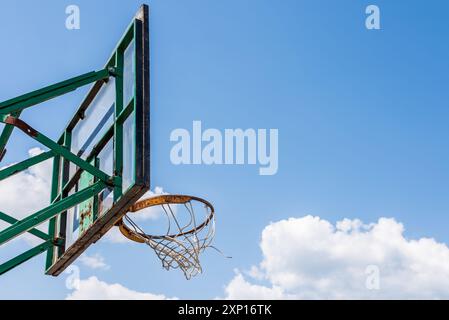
(181, 247)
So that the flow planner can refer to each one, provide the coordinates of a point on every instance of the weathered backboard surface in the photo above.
(111, 131)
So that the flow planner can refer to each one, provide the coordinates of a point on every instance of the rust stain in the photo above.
(22, 125)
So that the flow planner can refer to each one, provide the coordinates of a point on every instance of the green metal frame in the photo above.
(11, 264)
(10, 111)
(135, 108)
(49, 212)
(54, 242)
(15, 106)
(16, 168)
(33, 231)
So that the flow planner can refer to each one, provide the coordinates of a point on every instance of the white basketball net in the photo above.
(179, 247)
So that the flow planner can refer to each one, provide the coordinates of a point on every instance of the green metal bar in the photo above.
(65, 172)
(118, 127)
(49, 212)
(52, 223)
(16, 168)
(126, 112)
(16, 105)
(34, 232)
(46, 89)
(6, 134)
(67, 185)
(58, 149)
(11, 264)
(30, 99)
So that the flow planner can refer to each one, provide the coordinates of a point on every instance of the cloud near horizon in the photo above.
(94, 289)
(310, 258)
(94, 261)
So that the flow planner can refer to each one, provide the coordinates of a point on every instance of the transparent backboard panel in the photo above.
(129, 74)
(110, 131)
(106, 164)
(98, 118)
(73, 222)
(128, 151)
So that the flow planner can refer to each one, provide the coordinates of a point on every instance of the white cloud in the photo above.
(95, 261)
(115, 236)
(241, 289)
(94, 289)
(309, 258)
(27, 192)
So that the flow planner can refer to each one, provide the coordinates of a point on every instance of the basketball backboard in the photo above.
(101, 168)
(110, 131)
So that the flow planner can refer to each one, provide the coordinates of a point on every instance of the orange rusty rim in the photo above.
(160, 201)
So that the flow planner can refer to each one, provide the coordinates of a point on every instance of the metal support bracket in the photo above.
(49, 212)
(58, 149)
(15, 106)
(11, 264)
(34, 232)
(18, 167)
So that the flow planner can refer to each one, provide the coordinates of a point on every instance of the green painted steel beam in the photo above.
(11, 264)
(49, 212)
(52, 223)
(18, 167)
(34, 232)
(4, 137)
(118, 127)
(57, 149)
(16, 105)
(45, 90)
(53, 91)
(65, 173)
(66, 186)
(66, 154)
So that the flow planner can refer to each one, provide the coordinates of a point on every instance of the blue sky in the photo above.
(362, 116)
